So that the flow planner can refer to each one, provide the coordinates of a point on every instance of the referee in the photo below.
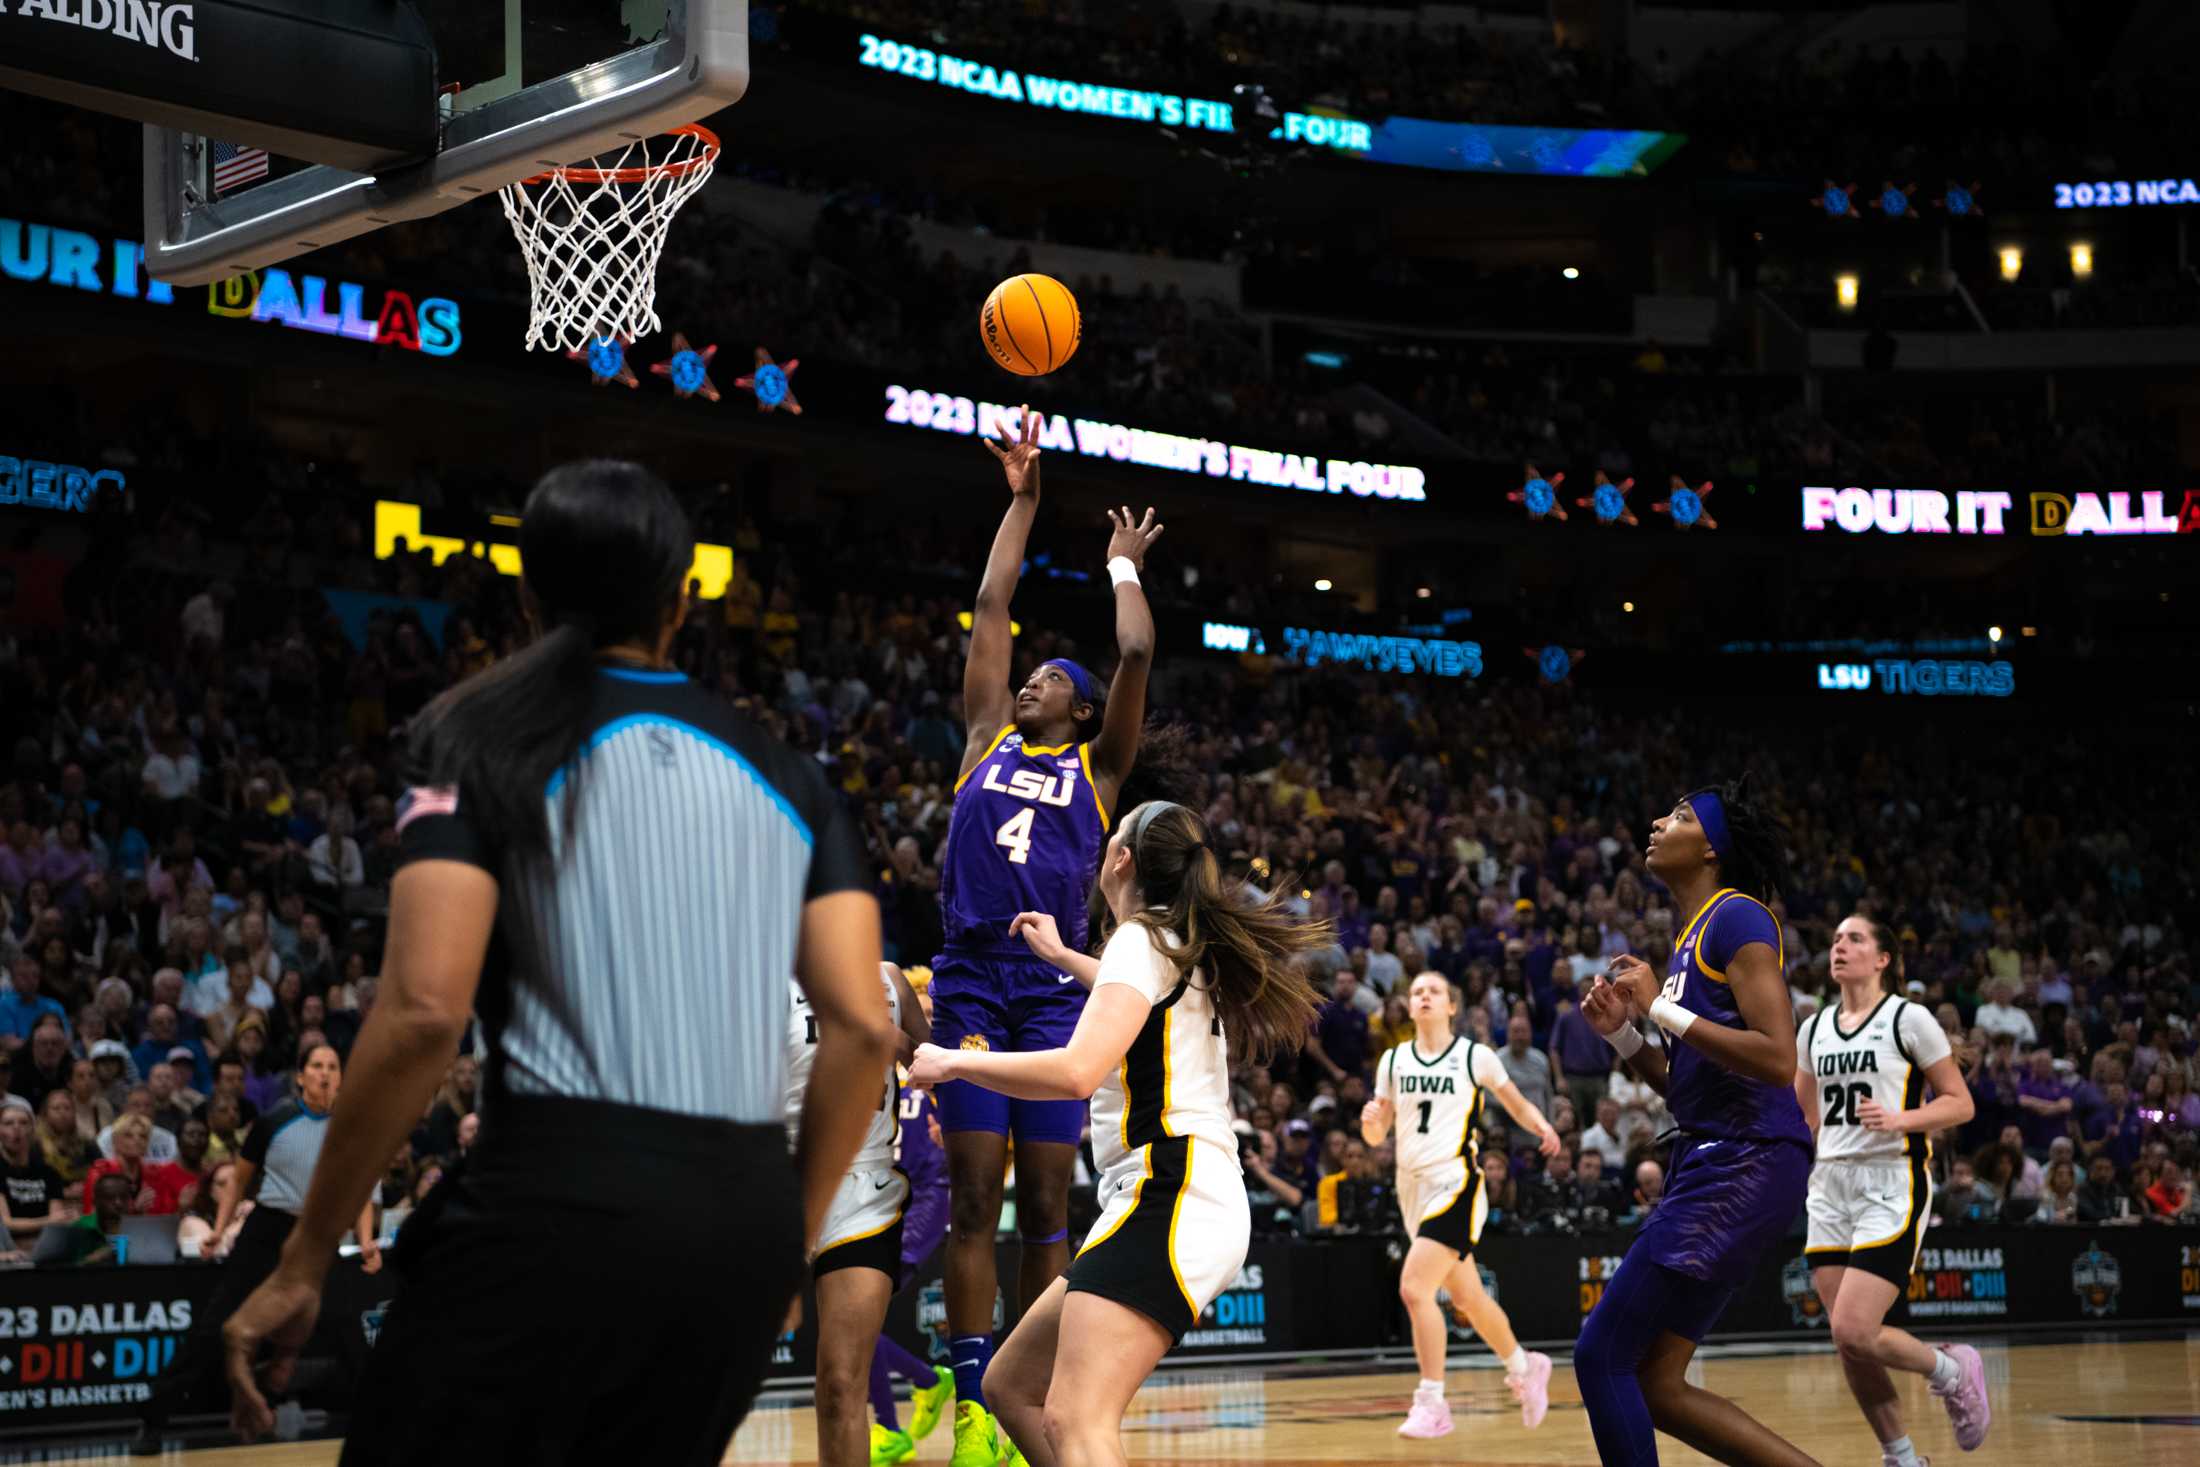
(618, 872)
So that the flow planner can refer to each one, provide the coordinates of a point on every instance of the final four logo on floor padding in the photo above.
(1802, 1299)
(2097, 1279)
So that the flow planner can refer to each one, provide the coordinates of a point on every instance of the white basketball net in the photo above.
(592, 236)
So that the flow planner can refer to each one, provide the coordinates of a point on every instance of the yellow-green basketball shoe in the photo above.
(1011, 1454)
(889, 1447)
(977, 1443)
(928, 1403)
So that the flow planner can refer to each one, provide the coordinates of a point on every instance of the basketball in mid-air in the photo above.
(1031, 324)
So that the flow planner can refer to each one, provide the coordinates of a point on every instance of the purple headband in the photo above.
(1079, 679)
(1711, 815)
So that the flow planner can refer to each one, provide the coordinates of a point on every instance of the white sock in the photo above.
(1945, 1370)
(1431, 1388)
(1517, 1362)
(1899, 1451)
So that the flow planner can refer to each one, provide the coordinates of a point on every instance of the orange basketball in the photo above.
(1031, 324)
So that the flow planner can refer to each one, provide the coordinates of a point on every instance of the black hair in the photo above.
(1088, 727)
(605, 551)
(1164, 769)
(1758, 863)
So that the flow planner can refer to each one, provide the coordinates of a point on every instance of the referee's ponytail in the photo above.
(605, 551)
(1244, 939)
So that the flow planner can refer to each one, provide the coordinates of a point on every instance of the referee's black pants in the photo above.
(595, 1282)
(198, 1362)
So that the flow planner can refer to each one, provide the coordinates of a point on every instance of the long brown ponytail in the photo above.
(1243, 939)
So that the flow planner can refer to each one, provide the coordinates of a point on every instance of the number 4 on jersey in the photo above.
(1015, 834)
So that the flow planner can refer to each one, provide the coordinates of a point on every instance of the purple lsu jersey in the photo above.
(916, 1153)
(1026, 836)
(1705, 1097)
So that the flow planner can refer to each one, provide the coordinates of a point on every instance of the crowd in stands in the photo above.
(196, 837)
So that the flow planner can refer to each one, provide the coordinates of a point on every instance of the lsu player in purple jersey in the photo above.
(1043, 767)
(919, 1155)
(1742, 1155)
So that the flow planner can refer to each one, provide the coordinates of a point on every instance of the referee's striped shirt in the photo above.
(647, 964)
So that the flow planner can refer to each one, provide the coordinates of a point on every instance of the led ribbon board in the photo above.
(1929, 678)
(42, 485)
(395, 521)
(1434, 656)
(1404, 655)
(47, 254)
(1225, 636)
(1989, 512)
(944, 412)
(2125, 193)
(1410, 142)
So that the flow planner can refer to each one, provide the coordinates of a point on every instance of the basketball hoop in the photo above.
(592, 236)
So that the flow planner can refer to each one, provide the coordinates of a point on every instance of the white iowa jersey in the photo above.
(885, 1128)
(1436, 1102)
(1884, 1059)
(1175, 1078)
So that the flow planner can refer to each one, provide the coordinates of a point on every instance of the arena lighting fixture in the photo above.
(1322, 584)
(2081, 261)
(1844, 291)
(1993, 634)
(2031, 631)
(1422, 593)
(1570, 273)
(1627, 606)
(2012, 262)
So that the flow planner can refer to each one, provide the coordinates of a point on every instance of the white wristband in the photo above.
(1120, 570)
(1670, 1016)
(1626, 1039)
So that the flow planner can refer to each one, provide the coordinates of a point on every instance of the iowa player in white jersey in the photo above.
(1863, 1069)
(1193, 966)
(1432, 1088)
(857, 1265)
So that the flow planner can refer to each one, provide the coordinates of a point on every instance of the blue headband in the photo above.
(1711, 815)
(1079, 679)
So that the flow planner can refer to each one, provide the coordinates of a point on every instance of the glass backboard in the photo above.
(524, 85)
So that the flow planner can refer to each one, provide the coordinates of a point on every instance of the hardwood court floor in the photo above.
(2091, 1403)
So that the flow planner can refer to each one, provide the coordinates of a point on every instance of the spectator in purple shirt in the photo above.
(1994, 1089)
(19, 857)
(2045, 1099)
(1352, 922)
(2116, 1130)
(1329, 896)
(1340, 1030)
(66, 863)
(1542, 956)
(1448, 957)
(1583, 1059)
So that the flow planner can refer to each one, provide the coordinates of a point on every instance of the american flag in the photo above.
(424, 800)
(235, 166)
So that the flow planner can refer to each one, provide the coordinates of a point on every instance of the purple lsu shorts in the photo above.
(1725, 1203)
(1015, 1006)
(923, 1226)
